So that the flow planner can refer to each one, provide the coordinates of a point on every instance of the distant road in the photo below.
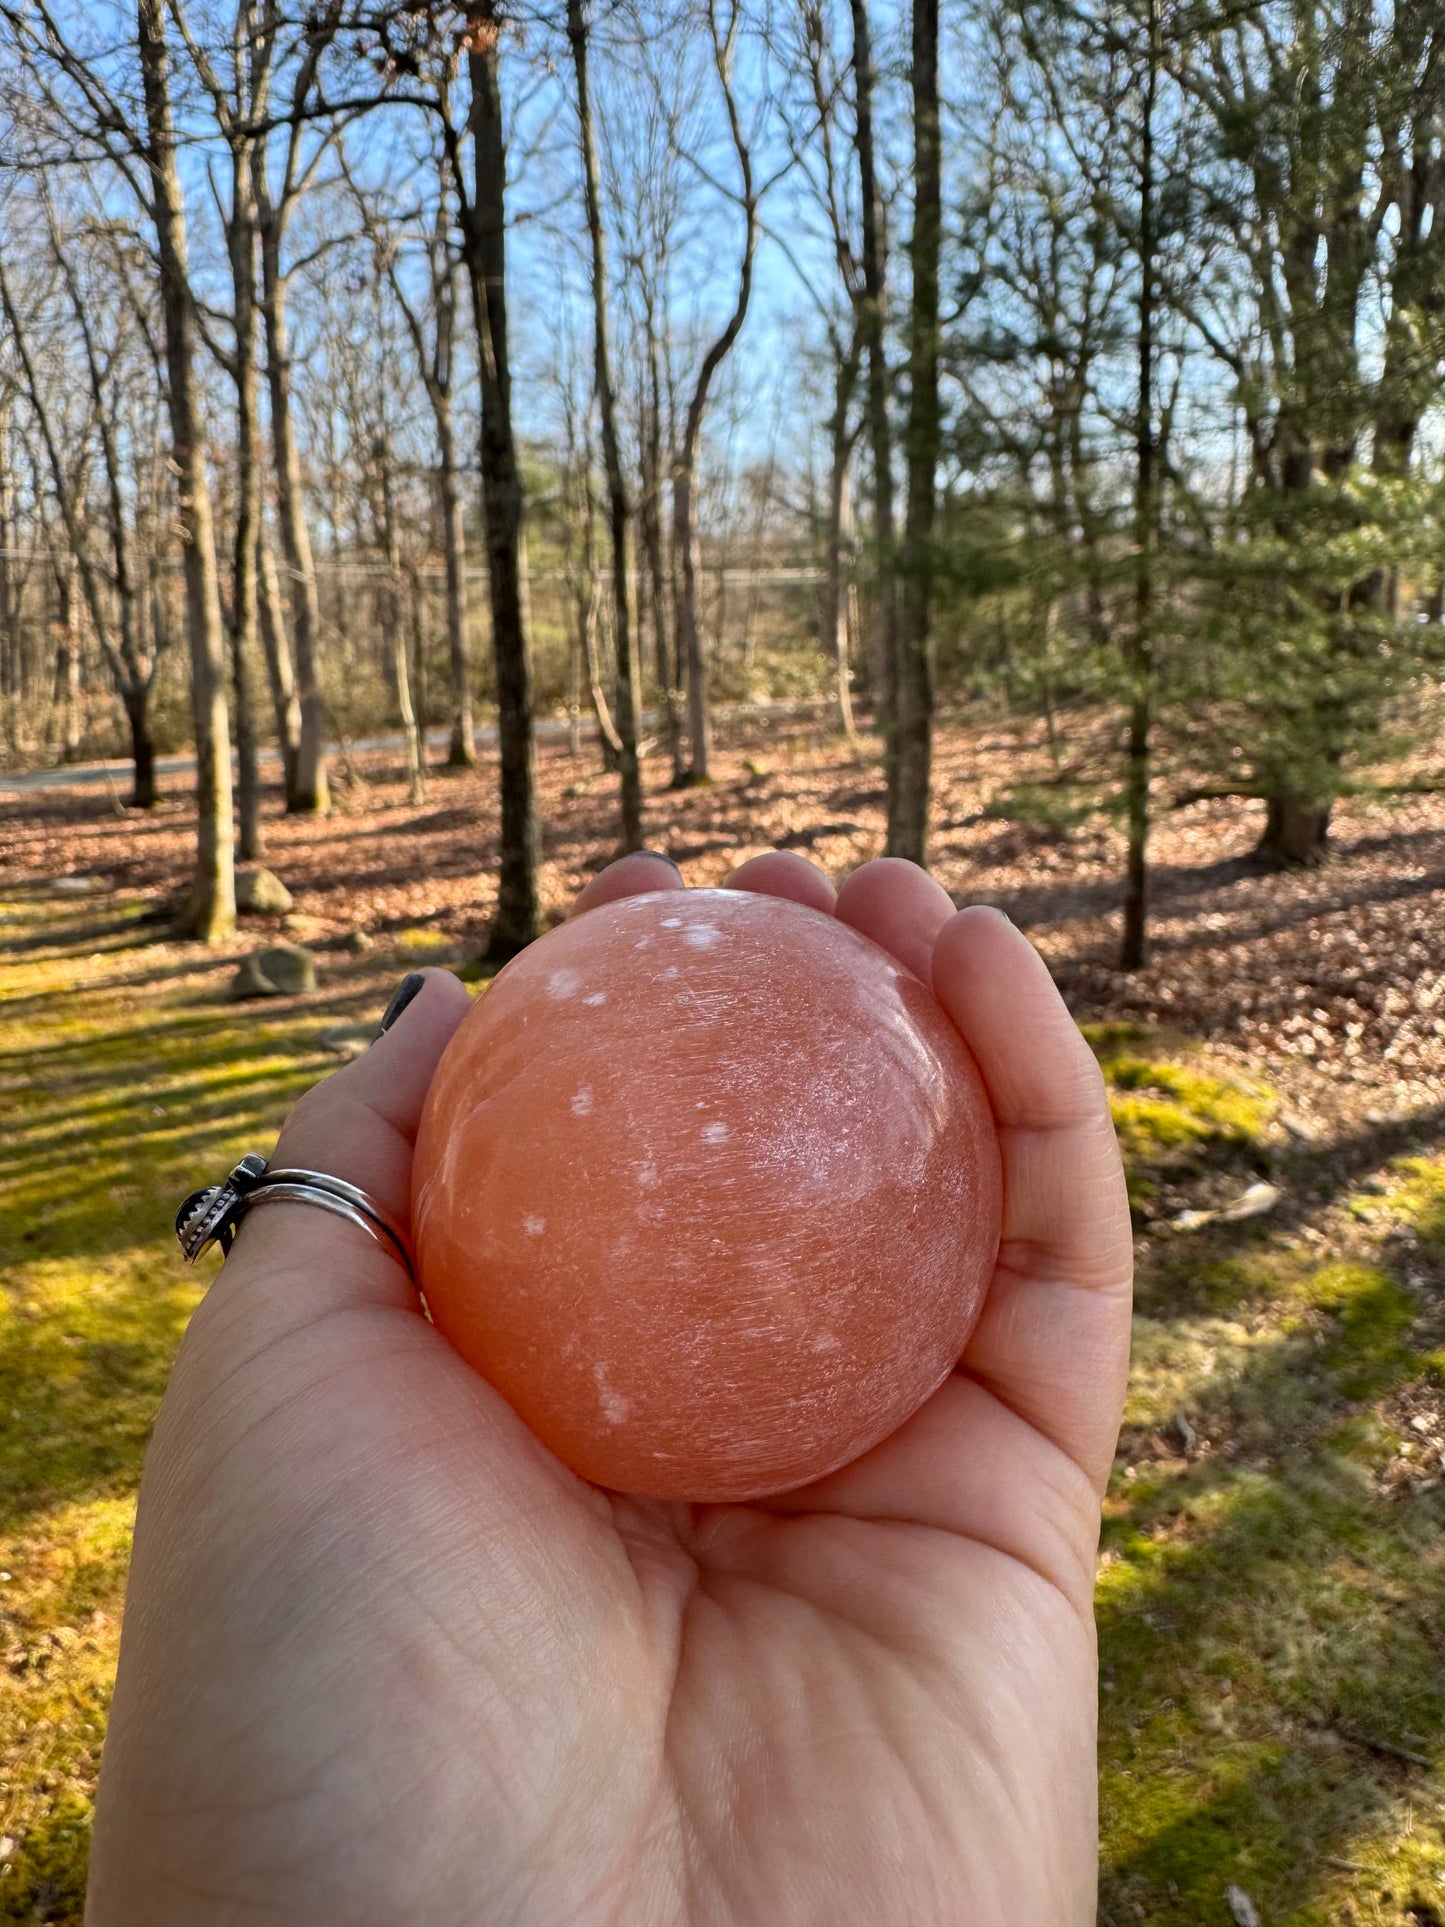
(71, 776)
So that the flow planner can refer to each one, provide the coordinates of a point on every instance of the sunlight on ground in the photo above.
(1272, 1589)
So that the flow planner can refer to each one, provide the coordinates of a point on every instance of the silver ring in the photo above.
(210, 1216)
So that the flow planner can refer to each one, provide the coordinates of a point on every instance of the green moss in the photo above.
(113, 1105)
(1420, 1202)
(1265, 1615)
(1162, 1106)
(423, 943)
(1166, 1111)
(1259, 1634)
(1373, 1314)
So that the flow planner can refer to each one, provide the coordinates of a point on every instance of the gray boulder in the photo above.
(289, 967)
(282, 970)
(251, 981)
(262, 894)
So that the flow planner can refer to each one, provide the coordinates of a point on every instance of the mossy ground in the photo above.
(112, 1106)
(1272, 1586)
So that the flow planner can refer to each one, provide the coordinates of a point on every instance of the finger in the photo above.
(359, 1124)
(630, 876)
(900, 907)
(783, 873)
(1053, 1340)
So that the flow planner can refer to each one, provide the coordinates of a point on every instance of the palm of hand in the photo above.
(399, 1664)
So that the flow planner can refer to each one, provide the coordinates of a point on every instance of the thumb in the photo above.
(298, 1261)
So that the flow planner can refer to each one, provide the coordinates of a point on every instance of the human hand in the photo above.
(386, 1660)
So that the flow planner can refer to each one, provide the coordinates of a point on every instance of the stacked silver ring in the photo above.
(210, 1216)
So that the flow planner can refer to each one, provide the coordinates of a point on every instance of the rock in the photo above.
(305, 929)
(1299, 1129)
(1183, 1431)
(251, 981)
(79, 886)
(290, 968)
(1246, 1914)
(262, 894)
(358, 942)
(1253, 1203)
(1192, 1220)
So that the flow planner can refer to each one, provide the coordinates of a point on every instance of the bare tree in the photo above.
(619, 508)
(124, 641)
(483, 228)
(684, 481)
(212, 914)
(873, 318)
(433, 338)
(274, 210)
(909, 775)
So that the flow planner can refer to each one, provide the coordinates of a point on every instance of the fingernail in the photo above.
(405, 991)
(663, 857)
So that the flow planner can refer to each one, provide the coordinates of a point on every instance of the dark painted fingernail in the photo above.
(663, 857)
(405, 991)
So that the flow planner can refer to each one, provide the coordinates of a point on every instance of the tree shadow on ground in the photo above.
(1266, 1629)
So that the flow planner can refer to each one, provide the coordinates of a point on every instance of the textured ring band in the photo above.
(211, 1216)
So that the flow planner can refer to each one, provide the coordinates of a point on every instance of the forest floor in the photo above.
(1272, 1577)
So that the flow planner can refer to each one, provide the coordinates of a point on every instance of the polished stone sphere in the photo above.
(707, 1186)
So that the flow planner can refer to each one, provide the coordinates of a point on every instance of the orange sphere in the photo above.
(707, 1186)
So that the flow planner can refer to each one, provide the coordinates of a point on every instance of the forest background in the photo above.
(1006, 436)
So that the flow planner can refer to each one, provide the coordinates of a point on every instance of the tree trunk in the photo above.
(835, 586)
(910, 775)
(9, 599)
(241, 241)
(609, 743)
(689, 638)
(462, 750)
(310, 794)
(518, 915)
(248, 774)
(650, 519)
(1134, 951)
(1296, 831)
(67, 678)
(401, 678)
(574, 683)
(212, 916)
(880, 433)
(618, 508)
(684, 531)
(394, 626)
(279, 676)
(142, 748)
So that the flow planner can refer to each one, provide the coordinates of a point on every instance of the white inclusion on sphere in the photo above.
(615, 1408)
(672, 923)
(647, 1179)
(717, 1133)
(595, 998)
(826, 1342)
(533, 1226)
(582, 1100)
(642, 943)
(563, 983)
(702, 936)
